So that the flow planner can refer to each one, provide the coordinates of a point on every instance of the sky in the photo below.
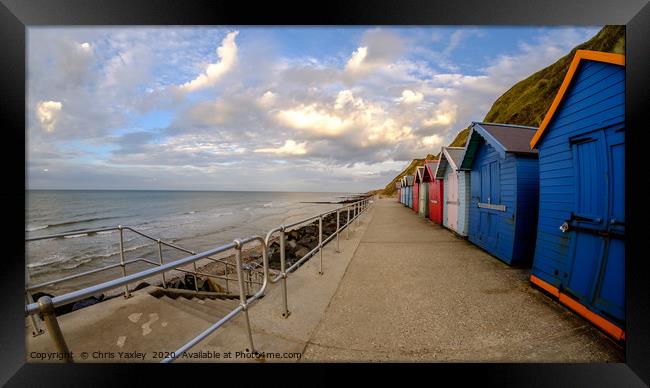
(335, 109)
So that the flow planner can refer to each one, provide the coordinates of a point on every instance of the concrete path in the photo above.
(415, 292)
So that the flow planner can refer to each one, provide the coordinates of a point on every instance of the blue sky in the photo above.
(243, 108)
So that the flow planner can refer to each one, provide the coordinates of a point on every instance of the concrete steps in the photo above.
(142, 323)
(209, 310)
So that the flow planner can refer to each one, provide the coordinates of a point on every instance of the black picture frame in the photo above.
(17, 15)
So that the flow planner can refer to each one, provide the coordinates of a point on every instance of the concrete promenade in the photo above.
(401, 289)
(415, 292)
(406, 290)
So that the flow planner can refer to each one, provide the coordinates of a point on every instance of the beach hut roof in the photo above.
(449, 156)
(419, 174)
(409, 180)
(429, 170)
(616, 59)
(502, 137)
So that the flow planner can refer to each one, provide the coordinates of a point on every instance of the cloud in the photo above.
(432, 141)
(346, 98)
(378, 48)
(47, 113)
(444, 115)
(267, 99)
(457, 37)
(290, 147)
(355, 62)
(311, 118)
(410, 97)
(227, 54)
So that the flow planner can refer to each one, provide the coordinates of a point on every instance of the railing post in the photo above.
(347, 225)
(225, 275)
(46, 308)
(242, 297)
(283, 282)
(126, 286)
(358, 212)
(338, 232)
(160, 259)
(35, 320)
(196, 282)
(320, 243)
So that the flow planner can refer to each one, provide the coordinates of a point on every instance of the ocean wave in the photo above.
(34, 228)
(270, 204)
(192, 212)
(62, 262)
(66, 223)
(76, 235)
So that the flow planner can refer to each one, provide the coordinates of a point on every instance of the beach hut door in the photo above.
(598, 269)
(489, 195)
(452, 201)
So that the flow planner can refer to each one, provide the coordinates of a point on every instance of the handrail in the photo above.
(115, 283)
(46, 305)
(78, 275)
(244, 302)
(111, 266)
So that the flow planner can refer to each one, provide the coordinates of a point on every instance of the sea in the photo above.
(195, 220)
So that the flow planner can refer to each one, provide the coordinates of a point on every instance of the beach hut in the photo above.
(580, 248)
(457, 186)
(504, 190)
(423, 193)
(409, 191)
(416, 189)
(435, 195)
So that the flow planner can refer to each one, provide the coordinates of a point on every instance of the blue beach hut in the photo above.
(580, 248)
(409, 191)
(504, 190)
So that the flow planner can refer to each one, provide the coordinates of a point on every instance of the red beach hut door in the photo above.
(435, 201)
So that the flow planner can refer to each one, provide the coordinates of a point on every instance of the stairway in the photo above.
(151, 321)
(208, 309)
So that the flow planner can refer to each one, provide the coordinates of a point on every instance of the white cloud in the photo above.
(86, 47)
(346, 98)
(410, 97)
(47, 113)
(444, 115)
(267, 99)
(388, 132)
(290, 147)
(313, 119)
(432, 141)
(227, 54)
(379, 48)
(355, 63)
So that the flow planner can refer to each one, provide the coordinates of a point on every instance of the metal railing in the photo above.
(253, 275)
(45, 306)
